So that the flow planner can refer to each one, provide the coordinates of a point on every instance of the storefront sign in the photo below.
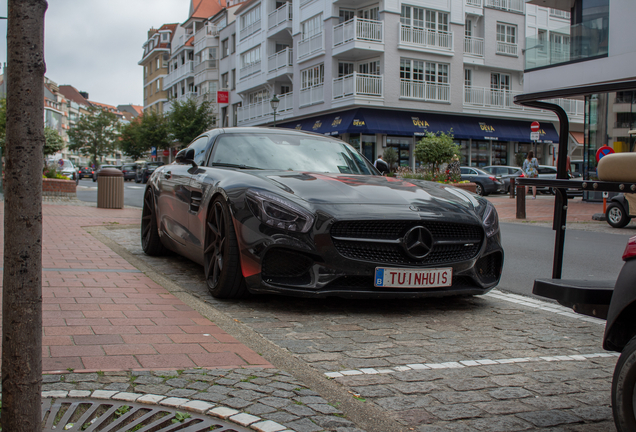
(223, 96)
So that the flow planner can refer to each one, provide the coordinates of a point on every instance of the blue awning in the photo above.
(411, 123)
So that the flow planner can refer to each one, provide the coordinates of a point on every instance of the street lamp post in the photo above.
(274, 103)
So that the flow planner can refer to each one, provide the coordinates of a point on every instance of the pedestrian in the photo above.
(453, 170)
(569, 166)
(381, 166)
(530, 169)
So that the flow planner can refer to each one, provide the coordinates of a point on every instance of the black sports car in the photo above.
(289, 212)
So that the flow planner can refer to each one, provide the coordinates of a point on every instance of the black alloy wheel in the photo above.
(221, 254)
(150, 241)
(624, 389)
(616, 215)
(479, 189)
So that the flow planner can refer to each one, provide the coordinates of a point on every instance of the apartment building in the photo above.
(155, 66)
(592, 58)
(382, 74)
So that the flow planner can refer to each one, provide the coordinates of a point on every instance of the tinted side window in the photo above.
(200, 145)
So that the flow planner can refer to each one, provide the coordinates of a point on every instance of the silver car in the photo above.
(504, 172)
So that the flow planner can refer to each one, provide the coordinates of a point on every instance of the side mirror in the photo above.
(186, 156)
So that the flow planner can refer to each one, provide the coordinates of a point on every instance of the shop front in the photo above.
(482, 141)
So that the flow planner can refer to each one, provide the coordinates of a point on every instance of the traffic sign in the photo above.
(166, 152)
(603, 151)
(534, 127)
(534, 136)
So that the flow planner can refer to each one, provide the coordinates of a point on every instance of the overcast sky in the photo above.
(94, 45)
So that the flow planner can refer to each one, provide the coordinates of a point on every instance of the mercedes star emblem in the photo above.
(417, 242)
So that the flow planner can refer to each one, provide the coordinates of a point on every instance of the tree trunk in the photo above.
(22, 278)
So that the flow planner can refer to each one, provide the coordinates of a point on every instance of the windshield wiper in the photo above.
(229, 165)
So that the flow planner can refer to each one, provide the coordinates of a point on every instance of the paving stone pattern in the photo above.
(335, 335)
(246, 396)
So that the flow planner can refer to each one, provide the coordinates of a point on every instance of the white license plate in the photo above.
(412, 278)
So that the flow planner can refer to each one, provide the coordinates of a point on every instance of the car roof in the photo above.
(261, 129)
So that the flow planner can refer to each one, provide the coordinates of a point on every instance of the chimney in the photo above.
(84, 94)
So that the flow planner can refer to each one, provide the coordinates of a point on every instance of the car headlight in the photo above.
(490, 220)
(278, 212)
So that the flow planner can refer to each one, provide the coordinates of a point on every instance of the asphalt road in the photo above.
(528, 248)
(133, 192)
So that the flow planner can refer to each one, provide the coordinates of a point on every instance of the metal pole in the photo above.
(274, 118)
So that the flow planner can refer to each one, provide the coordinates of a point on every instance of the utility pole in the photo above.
(22, 272)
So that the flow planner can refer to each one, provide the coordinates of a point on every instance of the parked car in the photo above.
(282, 211)
(145, 169)
(130, 171)
(66, 168)
(505, 173)
(86, 172)
(550, 172)
(486, 182)
(97, 171)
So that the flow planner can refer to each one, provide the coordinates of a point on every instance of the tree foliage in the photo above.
(436, 149)
(390, 156)
(53, 142)
(143, 132)
(95, 134)
(186, 120)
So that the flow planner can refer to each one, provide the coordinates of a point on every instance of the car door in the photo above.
(174, 199)
(468, 174)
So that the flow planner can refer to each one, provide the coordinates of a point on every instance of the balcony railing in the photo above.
(357, 84)
(557, 13)
(280, 60)
(426, 37)
(250, 29)
(205, 65)
(280, 16)
(263, 110)
(206, 37)
(474, 46)
(178, 74)
(475, 3)
(312, 95)
(359, 29)
(577, 42)
(309, 46)
(250, 69)
(508, 5)
(504, 99)
(507, 48)
(422, 90)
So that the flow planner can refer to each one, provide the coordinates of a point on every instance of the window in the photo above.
(158, 85)
(371, 13)
(499, 81)
(224, 81)
(468, 77)
(436, 73)
(164, 37)
(158, 63)
(199, 145)
(233, 79)
(251, 57)
(424, 18)
(145, 70)
(506, 33)
(250, 21)
(312, 76)
(284, 89)
(212, 89)
(233, 45)
(225, 48)
(437, 21)
(345, 15)
(371, 68)
(311, 27)
(235, 108)
(468, 28)
(345, 69)
(257, 97)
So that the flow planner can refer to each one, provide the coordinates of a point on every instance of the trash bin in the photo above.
(110, 188)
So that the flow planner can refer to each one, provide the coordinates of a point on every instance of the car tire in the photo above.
(616, 215)
(623, 386)
(150, 241)
(94, 178)
(479, 189)
(221, 254)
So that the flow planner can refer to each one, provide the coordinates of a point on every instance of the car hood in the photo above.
(320, 190)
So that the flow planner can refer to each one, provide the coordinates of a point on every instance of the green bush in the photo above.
(436, 149)
(51, 172)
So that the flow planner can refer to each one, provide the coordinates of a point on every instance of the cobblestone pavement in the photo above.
(498, 362)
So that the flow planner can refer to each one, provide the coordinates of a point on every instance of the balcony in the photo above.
(310, 46)
(517, 6)
(250, 69)
(261, 112)
(474, 3)
(205, 38)
(280, 63)
(506, 48)
(474, 46)
(280, 19)
(204, 65)
(184, 71)
(424, 91)
(357, 84)
(421, 38)
(574, 43)
(206, 71)
(250, 29)
(503, 100)
(357, 37)
(312, 95)
(557, 13)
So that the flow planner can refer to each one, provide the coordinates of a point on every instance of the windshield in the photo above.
(288, 153)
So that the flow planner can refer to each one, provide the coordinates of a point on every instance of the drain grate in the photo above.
(114, 416)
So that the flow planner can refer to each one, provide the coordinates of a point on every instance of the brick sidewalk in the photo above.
(542, 209)
(102, 314)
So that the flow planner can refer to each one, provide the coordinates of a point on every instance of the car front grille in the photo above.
(488, 268)
(378, 241)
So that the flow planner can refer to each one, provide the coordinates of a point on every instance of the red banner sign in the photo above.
(223, 97)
